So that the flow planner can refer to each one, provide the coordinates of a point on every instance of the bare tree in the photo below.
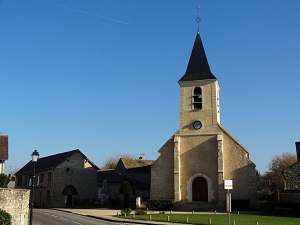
(111, 161)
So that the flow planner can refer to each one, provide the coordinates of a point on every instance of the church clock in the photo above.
(197, 124)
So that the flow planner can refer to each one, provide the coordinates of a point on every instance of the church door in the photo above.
(200, 190)
(69, 201)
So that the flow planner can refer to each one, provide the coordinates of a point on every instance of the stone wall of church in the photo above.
(16, 203)
(239, 168)
(199, 155)
(162, 173)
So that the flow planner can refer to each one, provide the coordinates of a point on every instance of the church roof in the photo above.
(198, 67)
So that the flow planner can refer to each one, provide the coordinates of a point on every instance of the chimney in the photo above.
(298, 150)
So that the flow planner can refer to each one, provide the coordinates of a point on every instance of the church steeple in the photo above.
(198, 67)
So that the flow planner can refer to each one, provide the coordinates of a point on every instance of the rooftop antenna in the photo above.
(198, 18)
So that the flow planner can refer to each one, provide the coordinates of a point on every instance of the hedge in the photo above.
(156, 204)
(5, 218)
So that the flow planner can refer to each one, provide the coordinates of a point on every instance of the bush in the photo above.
(264, 207)
(140, 212)
(4, 180)
(126, 211)
(240, 204)
(156, 204)
(5, 218)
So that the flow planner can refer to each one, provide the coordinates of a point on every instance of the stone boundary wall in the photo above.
(290, 197)
(16, 203)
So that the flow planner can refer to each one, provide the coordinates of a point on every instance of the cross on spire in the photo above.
(198, 18)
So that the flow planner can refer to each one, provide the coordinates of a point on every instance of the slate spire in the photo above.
(198, 68)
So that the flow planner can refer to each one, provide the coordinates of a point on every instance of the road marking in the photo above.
(54, 216)
(63, 218)
(76, 222)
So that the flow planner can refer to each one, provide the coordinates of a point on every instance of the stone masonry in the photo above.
(16, 203)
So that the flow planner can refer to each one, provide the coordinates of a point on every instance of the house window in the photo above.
(48, 195)
(42, 177)
(26, 180)
(19, 181)
(197, 98)
(49, 176)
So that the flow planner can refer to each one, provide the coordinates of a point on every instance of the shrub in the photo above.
(126, 211)
(5, 218)
(264, 207)
(240, 204)
(140, 212)
(156, 204)
(4, 180)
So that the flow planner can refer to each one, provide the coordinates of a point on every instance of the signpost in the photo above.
(228, 184)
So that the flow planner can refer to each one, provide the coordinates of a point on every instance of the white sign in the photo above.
(228, 184)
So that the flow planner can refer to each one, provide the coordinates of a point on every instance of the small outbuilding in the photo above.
(133, 172)
(291, 192)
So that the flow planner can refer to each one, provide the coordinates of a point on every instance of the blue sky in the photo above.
(101, 75)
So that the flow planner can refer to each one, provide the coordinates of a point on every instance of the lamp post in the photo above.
(34, 156)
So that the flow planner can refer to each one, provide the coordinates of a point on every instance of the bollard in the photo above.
(168, 218)
(187, 219)
(209, 221)
(150, 217)
(171, 212)
(215, 211)
(193, 211)
(233, 222)
(256, 223)
(133, 215)
(238, 212)
(117, 213)
(124, 214)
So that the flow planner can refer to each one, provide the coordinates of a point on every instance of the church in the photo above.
(201, 154)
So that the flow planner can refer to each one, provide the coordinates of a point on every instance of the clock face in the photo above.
(197, 124)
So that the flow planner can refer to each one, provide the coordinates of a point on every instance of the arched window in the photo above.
(197, 98)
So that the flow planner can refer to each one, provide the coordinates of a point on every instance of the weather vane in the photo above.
(198, 18)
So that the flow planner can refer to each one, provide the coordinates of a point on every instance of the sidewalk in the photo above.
(111, 215)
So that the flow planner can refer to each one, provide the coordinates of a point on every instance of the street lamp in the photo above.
(34, 156)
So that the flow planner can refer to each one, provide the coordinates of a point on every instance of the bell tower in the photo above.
(199, 94)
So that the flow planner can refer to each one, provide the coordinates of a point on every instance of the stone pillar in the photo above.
(138, 202)
(222, 199)
(177, 194)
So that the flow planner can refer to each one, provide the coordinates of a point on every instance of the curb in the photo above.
(117, 219)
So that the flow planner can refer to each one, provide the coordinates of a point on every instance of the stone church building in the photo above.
(201, 154)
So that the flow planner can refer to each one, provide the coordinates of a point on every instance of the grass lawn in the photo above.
(220, 219)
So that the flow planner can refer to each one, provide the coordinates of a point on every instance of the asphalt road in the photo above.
(54, 217)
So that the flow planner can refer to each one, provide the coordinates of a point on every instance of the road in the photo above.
(54, 217)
